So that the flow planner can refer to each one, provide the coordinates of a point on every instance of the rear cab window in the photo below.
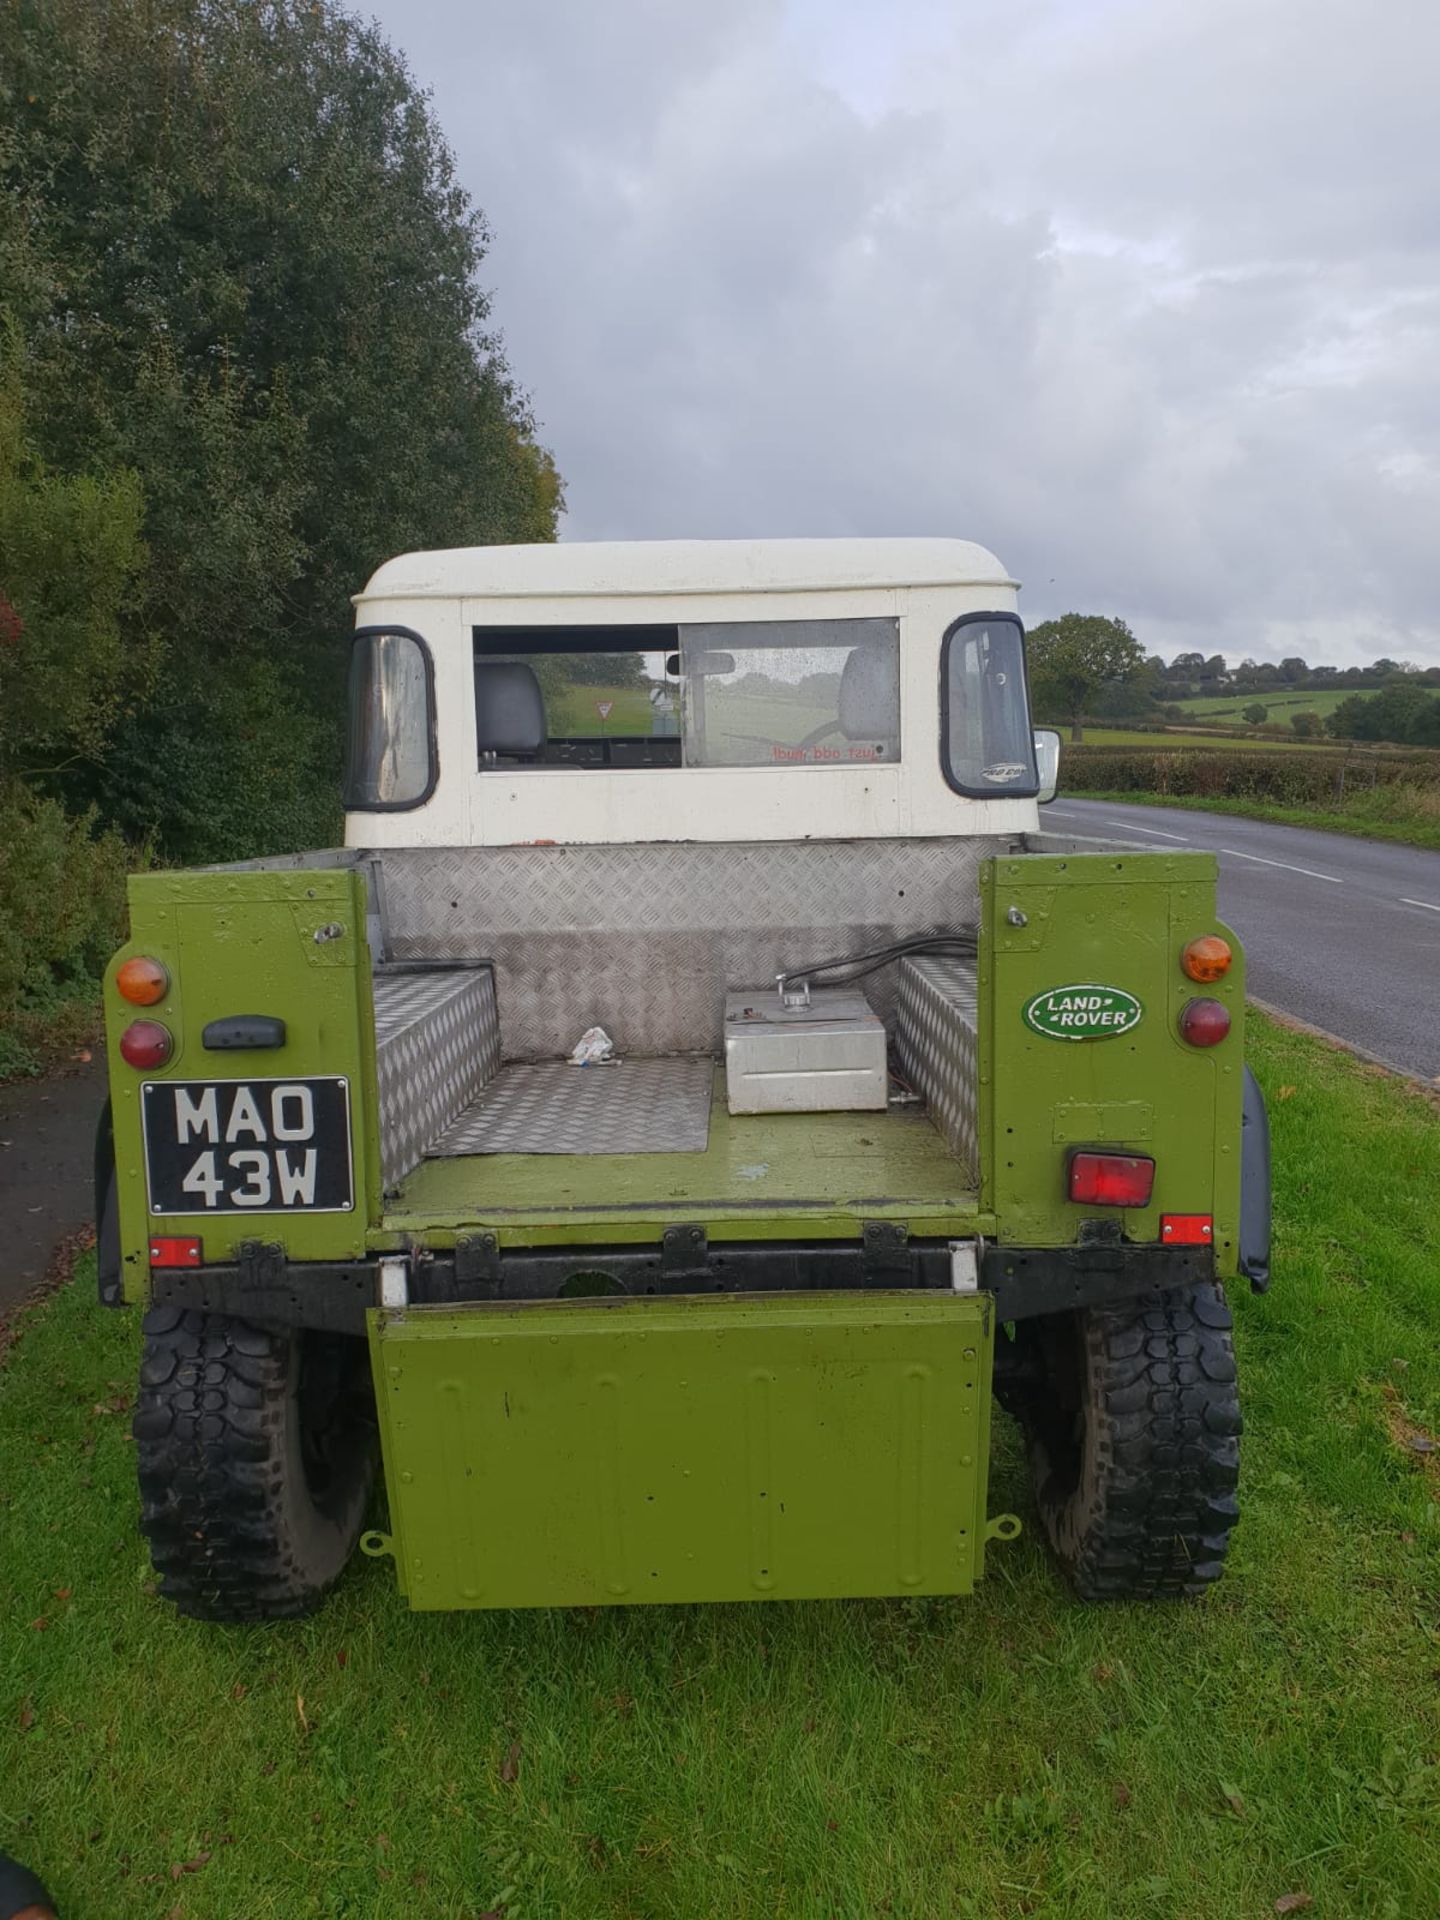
(799, 693)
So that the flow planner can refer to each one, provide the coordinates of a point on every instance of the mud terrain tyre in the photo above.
(1132, 1420)
(256, 1454)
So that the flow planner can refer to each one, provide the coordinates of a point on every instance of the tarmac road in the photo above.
(47, 1171)
(1339, 932)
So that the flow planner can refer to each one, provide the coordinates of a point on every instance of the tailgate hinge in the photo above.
(683, 1250)
(477, 1264)
(886, 1250)
(261, 1262)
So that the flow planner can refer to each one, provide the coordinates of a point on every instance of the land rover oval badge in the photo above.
(1084, 1012)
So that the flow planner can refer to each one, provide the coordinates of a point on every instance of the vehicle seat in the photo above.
(509, 709)
(869, 699)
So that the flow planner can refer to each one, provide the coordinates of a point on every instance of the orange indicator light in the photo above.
(1207, 958)
(142, 981)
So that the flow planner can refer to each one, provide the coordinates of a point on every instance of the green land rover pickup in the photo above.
(630, 1168)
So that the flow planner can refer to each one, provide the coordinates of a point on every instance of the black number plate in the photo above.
(248, 1146)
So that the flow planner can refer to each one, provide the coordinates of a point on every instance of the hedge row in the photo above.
(1291, 779)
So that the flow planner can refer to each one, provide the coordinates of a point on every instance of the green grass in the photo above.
(1209, 742)
(745, 726)
(1278, 706)
(575, 712)
(1408, 815)
(1015, 1754)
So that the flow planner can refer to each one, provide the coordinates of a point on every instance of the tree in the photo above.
(1121, 700)
(1293, 670)
(1397, 711)
(1308, 725)
(71, 560)
(1347, 718)
(1073, 657)
(1254, 713)
(1400, 713)
(237, 259)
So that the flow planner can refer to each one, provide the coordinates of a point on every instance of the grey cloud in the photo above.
(1143, 296)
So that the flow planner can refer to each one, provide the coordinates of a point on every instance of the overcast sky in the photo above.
(1142, 294)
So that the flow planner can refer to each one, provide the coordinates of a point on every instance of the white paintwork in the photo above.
(926, 584)
(648, 567)
(964, 1266)
(395, 1282)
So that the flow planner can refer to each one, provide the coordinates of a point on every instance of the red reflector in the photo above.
(1187, 1229)
(1204, 1023)
(175, 1250)
(1111, 1179)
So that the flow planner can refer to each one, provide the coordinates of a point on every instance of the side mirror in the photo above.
(1047, 760)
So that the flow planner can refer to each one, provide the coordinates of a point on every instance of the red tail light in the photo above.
(1111, 1179)
(175, 1250)
(145, 1043)
(1204, 1023)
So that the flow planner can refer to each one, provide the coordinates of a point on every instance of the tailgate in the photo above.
(676, 1450)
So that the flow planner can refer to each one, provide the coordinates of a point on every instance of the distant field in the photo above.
(1210, 742)
(744, 726)
(575, 713)
(1278, 706)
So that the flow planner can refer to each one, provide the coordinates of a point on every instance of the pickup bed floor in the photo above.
(760, 1176)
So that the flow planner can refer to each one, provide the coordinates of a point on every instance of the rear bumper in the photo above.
(1020, 1282)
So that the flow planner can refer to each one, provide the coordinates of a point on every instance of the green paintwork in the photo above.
(1083, 1011)
(787, 1446)
(675, 1450)
(1123, 919)
(762, 1176)
(244, 943)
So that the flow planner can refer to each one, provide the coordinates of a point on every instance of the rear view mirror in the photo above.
(1047, 762)
(711, 663)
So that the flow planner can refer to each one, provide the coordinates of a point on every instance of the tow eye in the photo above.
(378, 1544)
(1005, 1526)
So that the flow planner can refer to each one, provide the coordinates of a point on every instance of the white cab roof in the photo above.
(682, 566)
